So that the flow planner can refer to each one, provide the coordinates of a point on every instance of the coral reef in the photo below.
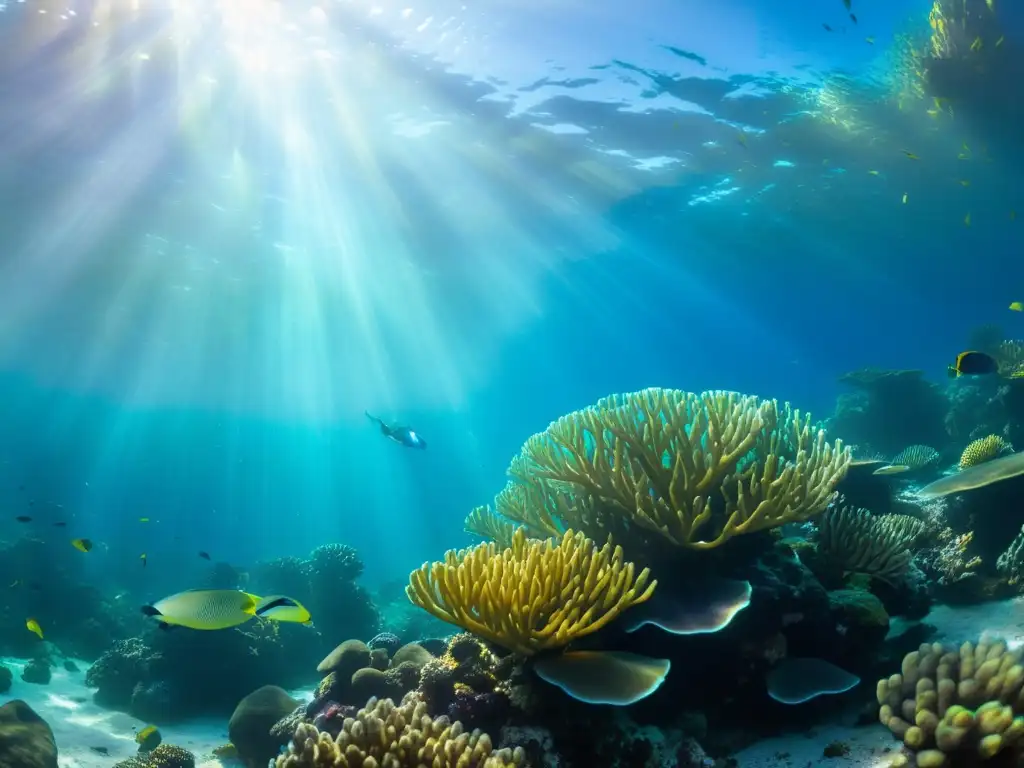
(47, 580)
(853, 540)
(891, 410)
(404, 736)
(956, 706)
(164, 756)
(170, 675)
(325, 582)
(693, 469)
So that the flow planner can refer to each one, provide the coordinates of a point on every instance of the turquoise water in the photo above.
(230, 229)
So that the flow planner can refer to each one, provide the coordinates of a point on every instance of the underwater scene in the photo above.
(511, 383)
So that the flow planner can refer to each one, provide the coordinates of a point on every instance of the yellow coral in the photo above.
(533, 596)
(673, 462)
(383, 735)
(948, 701)
(487, 525)
(983, 449)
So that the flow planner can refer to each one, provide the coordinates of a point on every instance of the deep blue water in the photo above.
(470, 221)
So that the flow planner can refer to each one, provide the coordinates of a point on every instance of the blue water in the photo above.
(227, 232)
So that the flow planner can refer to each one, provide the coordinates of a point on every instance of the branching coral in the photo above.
(983, 449)
(858, 542)
(383, 735)
(695, 469)
(533, 596)
(484, 523)
(956, 706)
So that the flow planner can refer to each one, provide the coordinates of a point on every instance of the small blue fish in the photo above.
(402, 435)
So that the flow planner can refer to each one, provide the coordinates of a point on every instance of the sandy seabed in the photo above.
(79, 725)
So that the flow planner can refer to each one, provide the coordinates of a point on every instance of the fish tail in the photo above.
(373, 418)
(277, 603)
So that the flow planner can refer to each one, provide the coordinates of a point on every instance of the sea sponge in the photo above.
(533, 596)
(957, 706)
(383, 735)
(695, 469)
(856, 541)
(983, 449)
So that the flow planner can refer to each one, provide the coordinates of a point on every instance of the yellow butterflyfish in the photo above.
(1017, 306)
(33, 626)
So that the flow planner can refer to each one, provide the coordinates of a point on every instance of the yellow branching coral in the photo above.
(856, 541)
(957, 706)
(983, 449)
(383, 735)
(696, 469)
(484, 523)
(533, 596)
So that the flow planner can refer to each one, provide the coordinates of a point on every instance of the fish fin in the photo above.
(275, 603)
(165, 626)
(252, 604)
(597, 677)
(707, 608)
(149, 610)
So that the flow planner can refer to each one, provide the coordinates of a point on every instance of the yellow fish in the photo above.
(934, 113)
(904, 198)
(965, 183)
(1017, 306)
(143, 519)
(148, 735)
(1000, 41)
(873, 173)
(869, 40)
(976, 45)
(281, 608)
(33, 626)
(82, 545)
(142, 557)
(967, 220)
(204, 609)
(911, 155)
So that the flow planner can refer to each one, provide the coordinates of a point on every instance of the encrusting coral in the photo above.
(539, 596)
(696, 469)
(956, 707)
(383, 735)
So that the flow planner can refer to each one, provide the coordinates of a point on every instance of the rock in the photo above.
(6, 678)
(70, 666)
(37, 671)
(254, 717)
(26, 741)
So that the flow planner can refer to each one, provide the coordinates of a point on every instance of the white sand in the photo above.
(78, 724)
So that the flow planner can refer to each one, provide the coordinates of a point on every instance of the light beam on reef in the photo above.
(265, 204)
